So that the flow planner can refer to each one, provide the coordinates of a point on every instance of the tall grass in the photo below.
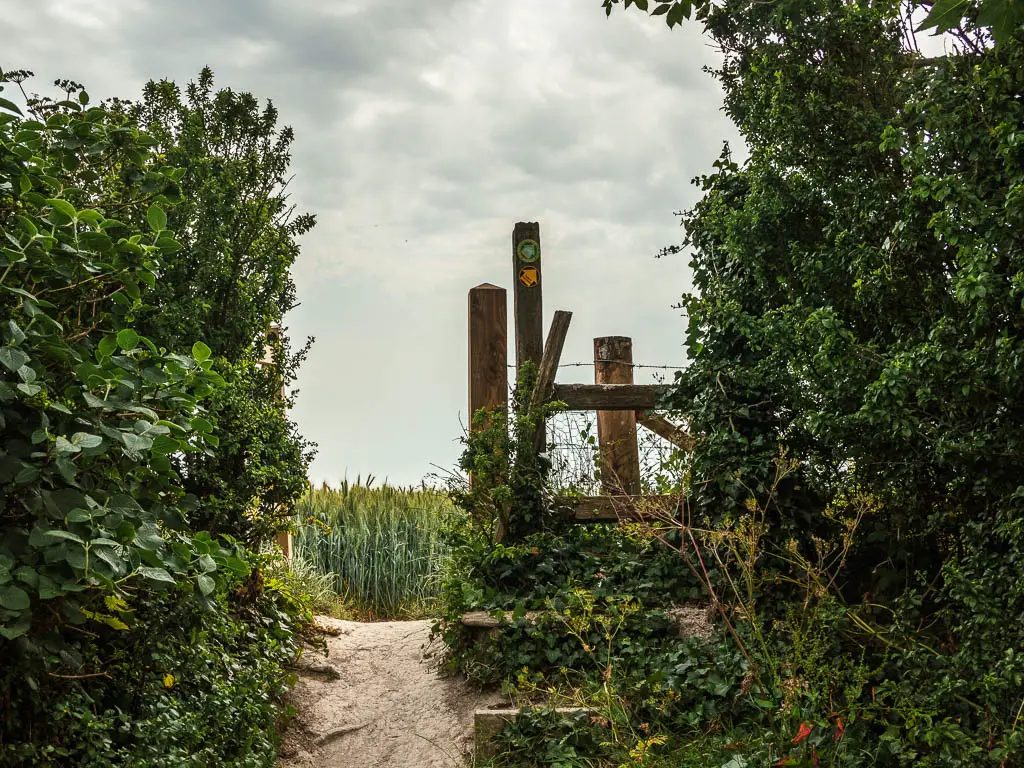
(382, 546)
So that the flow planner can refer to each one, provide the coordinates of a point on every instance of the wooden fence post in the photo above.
(488, 349)
(616, 430)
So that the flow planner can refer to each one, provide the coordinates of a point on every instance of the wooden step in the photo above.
(617, 508)
(484, 620)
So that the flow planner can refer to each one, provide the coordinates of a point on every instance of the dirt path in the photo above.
(375, 702)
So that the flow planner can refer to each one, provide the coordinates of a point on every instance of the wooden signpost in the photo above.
(529, 308)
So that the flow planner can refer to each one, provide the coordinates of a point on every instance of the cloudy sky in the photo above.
(424, 130)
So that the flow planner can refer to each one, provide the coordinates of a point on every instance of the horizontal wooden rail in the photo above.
(610, 397)
(615, 508)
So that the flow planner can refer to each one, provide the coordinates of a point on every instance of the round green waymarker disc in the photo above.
(528, 250)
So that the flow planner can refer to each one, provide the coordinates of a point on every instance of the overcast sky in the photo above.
(424, 130)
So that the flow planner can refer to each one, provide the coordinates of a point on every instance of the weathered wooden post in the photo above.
(488, 349)
(547, 370)
(528, 300)
(616, 429)
(529, 309)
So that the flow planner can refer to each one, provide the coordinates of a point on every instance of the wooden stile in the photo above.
(620, 404)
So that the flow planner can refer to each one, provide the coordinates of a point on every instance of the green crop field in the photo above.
(382, 546)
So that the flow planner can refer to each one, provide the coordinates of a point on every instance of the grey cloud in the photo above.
(424, 130)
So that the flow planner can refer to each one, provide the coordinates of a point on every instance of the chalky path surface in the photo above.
(374, 701)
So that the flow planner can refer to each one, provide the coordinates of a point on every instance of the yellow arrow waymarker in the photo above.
(529, 276)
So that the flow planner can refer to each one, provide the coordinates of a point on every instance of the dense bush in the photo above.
(130, 634)
(854, 502)
(183, 685)
(231, 286)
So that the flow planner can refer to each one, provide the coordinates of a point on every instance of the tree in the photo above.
(859, 301)
(230, 285)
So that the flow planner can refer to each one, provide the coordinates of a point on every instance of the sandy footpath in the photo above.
(375, 701)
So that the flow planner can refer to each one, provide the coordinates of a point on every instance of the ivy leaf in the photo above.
(136, 443)
(67, 469)
(107, 346)
(200, 424)
(95, 402)
(14, 598)
(13, 359)
(18, 628)
(96, 241)
(117, 564)
(168, 244)
(85, 440)
(206, 584)
(28, 576)
(67, 535)
(164, 444)
(17, 335)
(64, 446)
(148, 539)
(48, 588)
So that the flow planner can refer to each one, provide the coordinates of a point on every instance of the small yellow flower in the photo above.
(168, 680)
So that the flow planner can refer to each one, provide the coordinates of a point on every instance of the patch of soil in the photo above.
(376, 700)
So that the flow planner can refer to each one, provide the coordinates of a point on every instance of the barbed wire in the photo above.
(631, 365)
